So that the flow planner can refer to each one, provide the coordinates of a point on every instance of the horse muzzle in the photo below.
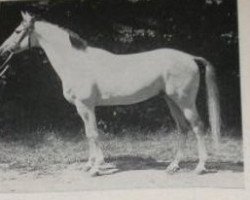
(5, 52)
(3, 56)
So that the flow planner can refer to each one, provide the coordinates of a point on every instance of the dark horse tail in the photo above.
(212, 100)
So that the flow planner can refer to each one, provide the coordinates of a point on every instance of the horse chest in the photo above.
(78, 91)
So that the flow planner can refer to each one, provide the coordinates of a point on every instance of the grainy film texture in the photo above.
(125, 94)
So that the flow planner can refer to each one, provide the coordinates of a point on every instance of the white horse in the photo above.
(94, 77)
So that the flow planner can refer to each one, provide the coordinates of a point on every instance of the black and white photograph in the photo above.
(99, 95)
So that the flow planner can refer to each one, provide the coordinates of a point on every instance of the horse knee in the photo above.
(92, 134)
(88, 116)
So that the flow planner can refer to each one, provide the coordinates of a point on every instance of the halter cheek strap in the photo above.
(29, 42)
(28, 32)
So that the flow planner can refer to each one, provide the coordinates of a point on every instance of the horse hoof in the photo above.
(107, 172)
(201, 171)
(86, 167)
(94, 172)
(107, 166)
(172, 169)
(205, 171)
(99, 172)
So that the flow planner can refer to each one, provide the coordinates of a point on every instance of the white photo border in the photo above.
(190, 193)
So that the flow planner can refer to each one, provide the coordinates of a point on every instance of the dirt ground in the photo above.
(143, 174)
(55, 165)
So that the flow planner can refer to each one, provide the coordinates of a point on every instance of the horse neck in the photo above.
(55, 42)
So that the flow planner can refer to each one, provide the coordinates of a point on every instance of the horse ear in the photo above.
(23, 14)
(26, 16)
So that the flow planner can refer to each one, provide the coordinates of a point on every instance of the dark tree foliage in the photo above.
(31, 95)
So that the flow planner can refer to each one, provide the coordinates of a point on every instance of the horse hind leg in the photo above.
(182, 129)
(193, 117)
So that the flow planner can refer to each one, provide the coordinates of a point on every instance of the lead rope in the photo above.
(5, 65)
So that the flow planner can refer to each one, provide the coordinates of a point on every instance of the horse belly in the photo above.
(131, 96)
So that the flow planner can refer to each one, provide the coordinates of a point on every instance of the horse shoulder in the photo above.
(82, 89)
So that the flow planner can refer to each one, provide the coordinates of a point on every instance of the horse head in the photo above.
(22, 38)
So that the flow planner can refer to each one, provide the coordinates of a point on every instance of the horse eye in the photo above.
(17, 31)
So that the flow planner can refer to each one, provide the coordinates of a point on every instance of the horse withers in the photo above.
(94, 77)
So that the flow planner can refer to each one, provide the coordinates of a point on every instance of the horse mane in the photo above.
(76, 41)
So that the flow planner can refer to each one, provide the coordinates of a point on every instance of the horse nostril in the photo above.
(2, 52)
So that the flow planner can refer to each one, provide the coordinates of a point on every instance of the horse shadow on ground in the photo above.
(128, 163)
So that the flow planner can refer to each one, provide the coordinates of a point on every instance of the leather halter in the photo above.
(26, 31)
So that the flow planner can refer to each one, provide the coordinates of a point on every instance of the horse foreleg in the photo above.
(87, 114)
(95, 164)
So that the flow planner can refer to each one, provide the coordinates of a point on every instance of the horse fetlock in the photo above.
(200, 169)
(172, 168)
(87, 167)
(89, 164)
(94, 172)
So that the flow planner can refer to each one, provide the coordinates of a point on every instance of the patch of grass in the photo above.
(56, 152)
